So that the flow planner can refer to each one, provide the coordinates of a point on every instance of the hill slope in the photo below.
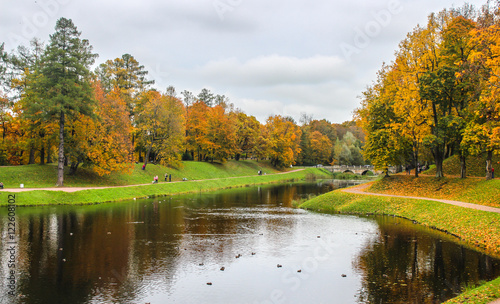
(37, 176)
(476, 166)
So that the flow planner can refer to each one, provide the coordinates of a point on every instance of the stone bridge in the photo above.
(362, 170)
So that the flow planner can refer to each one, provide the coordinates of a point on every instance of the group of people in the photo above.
(168, 178)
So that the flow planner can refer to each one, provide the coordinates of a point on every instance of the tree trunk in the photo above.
(463, 167)
(4, 133)
(415, 157)
(438, 159)
(488, 165)
(439, 168)
(436, 151)
(133, 145)
(74, 167)
(60, 159)
(146, 158)
(42, 155)
(31, 160)
(49, 154)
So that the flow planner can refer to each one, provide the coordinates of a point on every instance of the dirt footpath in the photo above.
(74, 189)
(360, 190)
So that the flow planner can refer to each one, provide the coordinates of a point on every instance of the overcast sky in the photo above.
(269, 57)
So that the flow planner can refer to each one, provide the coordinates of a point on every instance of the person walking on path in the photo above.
(492, 172)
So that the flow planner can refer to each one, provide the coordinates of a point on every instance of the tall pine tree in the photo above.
(66, 81)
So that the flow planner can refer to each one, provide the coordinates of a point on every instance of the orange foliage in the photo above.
(110, 148)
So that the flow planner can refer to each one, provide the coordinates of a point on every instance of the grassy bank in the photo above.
(37, 176)
(42, 197)
(470, 190)
(475, 229)
(475, 165)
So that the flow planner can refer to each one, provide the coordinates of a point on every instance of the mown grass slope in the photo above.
(93, 196)
(37, 176)
(475, 166)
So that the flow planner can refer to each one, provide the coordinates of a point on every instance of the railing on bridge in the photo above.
(357, 169)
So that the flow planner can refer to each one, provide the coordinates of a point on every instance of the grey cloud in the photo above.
(269, 57)
(275, 70)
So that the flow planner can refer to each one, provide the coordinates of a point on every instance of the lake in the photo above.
(243, 245)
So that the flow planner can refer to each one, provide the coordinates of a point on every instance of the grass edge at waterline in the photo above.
(94, 196)
(473, 228)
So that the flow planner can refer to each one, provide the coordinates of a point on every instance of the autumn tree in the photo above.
(160, 122)
(197, 142)
(384, 145)
(66, 80)
(450, 88)
(247, 134)
(483, 130)
(127, 74)
(284, 140)
(317, 141)
(321, 147)
(221, 134)
(110, 146)
(427, 91)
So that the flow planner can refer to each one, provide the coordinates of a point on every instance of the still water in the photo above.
(235, 246)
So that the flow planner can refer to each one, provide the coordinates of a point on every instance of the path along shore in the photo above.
(361, 190)
(75, 189)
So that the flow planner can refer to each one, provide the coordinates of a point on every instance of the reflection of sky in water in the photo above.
(166, 250)
(285, 236)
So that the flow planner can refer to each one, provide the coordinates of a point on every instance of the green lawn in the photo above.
(45, 197)
(37, 176)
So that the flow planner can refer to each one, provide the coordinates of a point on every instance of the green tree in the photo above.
(27, 83)
(127, 74)
(68, 92)
(4, 63)
(207, 97)
(384, 146)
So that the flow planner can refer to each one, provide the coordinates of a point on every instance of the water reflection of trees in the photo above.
(415, 266)
(75, 253)
(119, 252)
